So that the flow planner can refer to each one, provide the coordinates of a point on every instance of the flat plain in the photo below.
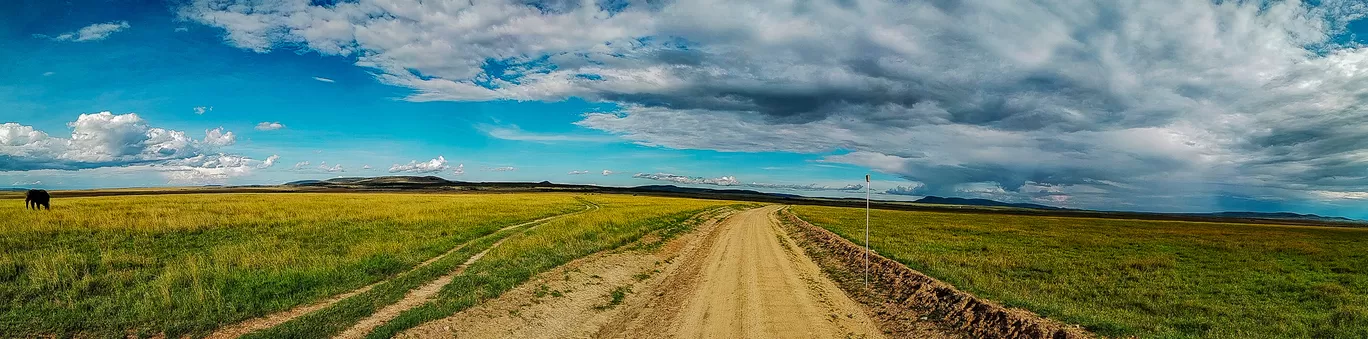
(195, 264)
(186, 264)
(380, 265)
(1142, 278)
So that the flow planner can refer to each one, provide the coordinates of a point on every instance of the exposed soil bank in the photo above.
(907, 303)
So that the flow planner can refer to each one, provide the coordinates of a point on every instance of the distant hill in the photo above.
(691, 190)
(1274, 215)
(378, 182)
(980, 202)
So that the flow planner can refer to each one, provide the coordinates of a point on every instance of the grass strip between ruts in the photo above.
(334, 319)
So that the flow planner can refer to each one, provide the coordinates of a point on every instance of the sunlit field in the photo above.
(621, 220)
(186, 264)
(1150, 279)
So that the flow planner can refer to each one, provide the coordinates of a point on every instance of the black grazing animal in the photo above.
(35, 198)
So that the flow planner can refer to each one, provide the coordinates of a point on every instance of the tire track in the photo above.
(275, 319)
(425, 293)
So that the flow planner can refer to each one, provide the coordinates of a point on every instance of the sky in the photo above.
(1161, 105)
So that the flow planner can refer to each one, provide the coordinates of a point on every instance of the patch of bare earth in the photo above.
(274, 319)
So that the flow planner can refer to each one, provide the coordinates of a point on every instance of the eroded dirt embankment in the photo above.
(907, 303)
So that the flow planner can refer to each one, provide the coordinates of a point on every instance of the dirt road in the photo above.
(738, 278)
(757, 284)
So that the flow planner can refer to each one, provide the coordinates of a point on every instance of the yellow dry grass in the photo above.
(188, 263)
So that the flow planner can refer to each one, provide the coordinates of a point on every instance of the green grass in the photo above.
(623, 220)
(334, 319)
(615, 297)
(1149, 279)
(187, 264)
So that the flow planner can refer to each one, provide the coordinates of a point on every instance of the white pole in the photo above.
(866, 254)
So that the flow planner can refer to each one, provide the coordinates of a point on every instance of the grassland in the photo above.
(186, 264)
(525, 252)
(1149, 279)
(623, 220)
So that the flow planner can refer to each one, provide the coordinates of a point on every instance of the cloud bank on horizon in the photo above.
(1056, 97)
(108, 140)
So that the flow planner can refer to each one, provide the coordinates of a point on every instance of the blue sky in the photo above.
(1163, 106)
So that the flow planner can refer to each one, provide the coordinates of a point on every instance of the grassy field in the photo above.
(621, 220)
(186, 264)
(1150, 279)
(625, 219)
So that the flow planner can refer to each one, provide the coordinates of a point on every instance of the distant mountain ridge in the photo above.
(378, 182)
(1274, 215)
(930, 199)
(438, 183)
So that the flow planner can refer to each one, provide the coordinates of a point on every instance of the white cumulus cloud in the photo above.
(101, 140)
(431, 166)
(269, 126)
(219, 137)
(270, 161)
(93, 32)
(719, 181)
(208, 169)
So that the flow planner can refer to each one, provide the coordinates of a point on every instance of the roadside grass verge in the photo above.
(1122, 278)
(623, 220)
(187, 264)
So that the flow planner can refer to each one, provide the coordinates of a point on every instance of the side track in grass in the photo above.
(275, 319)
